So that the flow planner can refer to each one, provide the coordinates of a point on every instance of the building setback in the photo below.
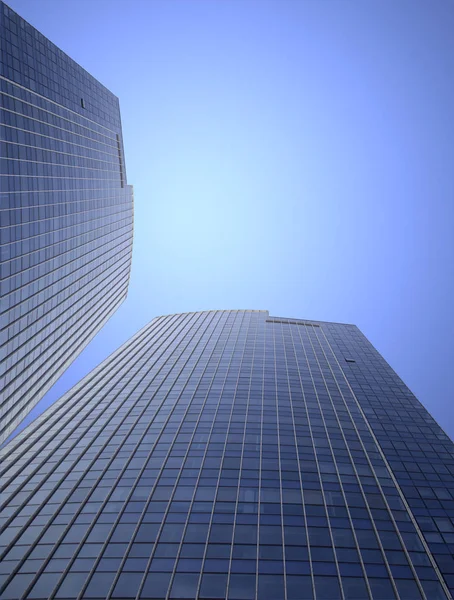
(65, 214)
(230, 454)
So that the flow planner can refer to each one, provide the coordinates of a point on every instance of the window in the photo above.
(156, 585)
(327, 588)
(127, 585)
(242, 587)
(271, 587)
(213, 586)
(184, 585)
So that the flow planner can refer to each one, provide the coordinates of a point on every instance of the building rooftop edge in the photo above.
(195, 312)
(62, 51)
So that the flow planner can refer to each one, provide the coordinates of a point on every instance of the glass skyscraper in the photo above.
(230, 454)
(65, 214)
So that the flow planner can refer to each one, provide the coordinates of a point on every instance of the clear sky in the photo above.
(295, 156)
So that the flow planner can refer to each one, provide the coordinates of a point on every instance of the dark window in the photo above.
(99, 585)
(242, 587)
(299, 587)
(156, 585)
(271, 587)
(127, 585)
(184, 585)
(213, 586)
(327, 588)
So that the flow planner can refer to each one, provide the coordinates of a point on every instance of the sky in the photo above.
(293, 156)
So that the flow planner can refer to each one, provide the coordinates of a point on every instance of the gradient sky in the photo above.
(295, 156)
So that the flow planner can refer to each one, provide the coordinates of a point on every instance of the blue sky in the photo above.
(294, 156)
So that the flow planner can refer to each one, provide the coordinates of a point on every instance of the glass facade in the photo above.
(65, 214)
(230, 454)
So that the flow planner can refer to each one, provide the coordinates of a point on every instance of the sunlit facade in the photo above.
(65, 214)
(230, 454)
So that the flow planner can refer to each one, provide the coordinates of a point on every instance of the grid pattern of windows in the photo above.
(65, 214)
(228, 454)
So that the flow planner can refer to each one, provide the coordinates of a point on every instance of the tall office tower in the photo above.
(229, 454)
(65, 214)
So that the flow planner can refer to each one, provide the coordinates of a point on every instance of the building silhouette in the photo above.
(65, 214)
(230, 454)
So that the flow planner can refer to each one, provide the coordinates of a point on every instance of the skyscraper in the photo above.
(230, 454)
(65, 214)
